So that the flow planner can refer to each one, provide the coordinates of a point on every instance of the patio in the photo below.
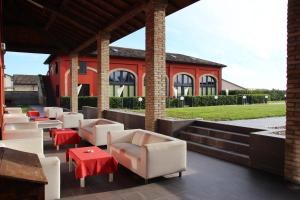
(206, 178)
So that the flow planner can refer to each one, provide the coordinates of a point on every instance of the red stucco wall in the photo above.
(135, 66)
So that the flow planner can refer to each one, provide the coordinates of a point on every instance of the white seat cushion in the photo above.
(128, 154)
(140, 138)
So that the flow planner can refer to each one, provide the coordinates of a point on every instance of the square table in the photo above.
(90, 161)
(64, 136)
(33, 113)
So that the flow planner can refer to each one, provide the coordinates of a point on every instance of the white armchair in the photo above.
(30, 145)
(50, 165)
(146, 153)
(20, 125)
(53, 112)
(95, 130)
(70, 119)
(15, 118)
(22, 134)
(51, 168)
(13, 110)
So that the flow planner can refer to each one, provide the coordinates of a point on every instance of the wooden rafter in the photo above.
(136, 9)
(52, 10)
(53, 15)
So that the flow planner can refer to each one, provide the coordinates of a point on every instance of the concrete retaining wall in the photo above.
(267, 152)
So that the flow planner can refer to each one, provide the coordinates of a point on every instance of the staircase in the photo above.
(220, 143)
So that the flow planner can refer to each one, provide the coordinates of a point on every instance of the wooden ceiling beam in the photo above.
(123, 18)
(50, 9)
(53, 15)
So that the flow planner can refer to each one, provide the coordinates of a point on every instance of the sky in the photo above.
(248, 36)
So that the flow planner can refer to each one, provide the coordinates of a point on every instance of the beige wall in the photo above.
(8, 83)
(25, 87)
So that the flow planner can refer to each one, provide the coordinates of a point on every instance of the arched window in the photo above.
(208, 86)
(122, 84)
(167, 87)
(184, 85)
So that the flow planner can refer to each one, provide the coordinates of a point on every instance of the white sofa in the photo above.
(15, 118)
(70, 119)
(146, 153)
(13, 110)
(53, 112)
(95, 130)
(51, 165)
(20, 125)
(23, 134)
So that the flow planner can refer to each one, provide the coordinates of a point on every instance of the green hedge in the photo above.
(274, 95)
(171, 102)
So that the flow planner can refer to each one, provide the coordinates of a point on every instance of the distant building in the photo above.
(8, 83)
(185, 75)
(227, 85)
(25, 82)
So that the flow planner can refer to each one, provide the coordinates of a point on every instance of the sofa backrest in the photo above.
(103, 122)
(141, 138)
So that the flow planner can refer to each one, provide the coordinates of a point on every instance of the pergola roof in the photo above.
(66, 26)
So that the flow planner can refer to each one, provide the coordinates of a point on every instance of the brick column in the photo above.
(103, 72)
(74, 83)
(292, 144)
(155, 63)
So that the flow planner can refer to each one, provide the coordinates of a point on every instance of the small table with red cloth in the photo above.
(64, 136)
(33, 113)
(90, 161)
(38, 119)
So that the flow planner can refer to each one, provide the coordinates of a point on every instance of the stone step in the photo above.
(228, 145)
(226, 135)
(219, 153)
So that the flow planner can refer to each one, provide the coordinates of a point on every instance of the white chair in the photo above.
(53, 112)
(15, 118)
(20, 125)
(95, 130)
(13, 110)
(51, 168)
(70, 119)
(50, 165)
(146, 153)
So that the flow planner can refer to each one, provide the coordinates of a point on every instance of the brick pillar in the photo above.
(74, 83)
(155, 63)
(292, 144)
(103, 72)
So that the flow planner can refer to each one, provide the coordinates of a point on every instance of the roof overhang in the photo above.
(61, 26)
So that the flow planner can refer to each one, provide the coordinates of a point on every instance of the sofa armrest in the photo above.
(120, 137)
(20, 126)
(87, 122)
(51, 168)
(22, 134)
(169, 156)
(30, 145)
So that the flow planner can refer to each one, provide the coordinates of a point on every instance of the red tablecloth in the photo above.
(64, 136)
(33, 113)
(94, 163)
(41, 119)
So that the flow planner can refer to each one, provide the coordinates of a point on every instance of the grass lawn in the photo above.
(232, 112)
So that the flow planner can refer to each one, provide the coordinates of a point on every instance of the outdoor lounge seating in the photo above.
(70, 119)
(13, 110)
(95, 130)
(15, 118)
(53, 112)
(146, 153)
(51, 165)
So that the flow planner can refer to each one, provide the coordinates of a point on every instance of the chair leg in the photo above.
(180, 174)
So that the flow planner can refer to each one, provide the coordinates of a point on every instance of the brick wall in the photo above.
(292, 146)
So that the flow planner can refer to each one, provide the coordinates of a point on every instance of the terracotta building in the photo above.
(185, 75)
